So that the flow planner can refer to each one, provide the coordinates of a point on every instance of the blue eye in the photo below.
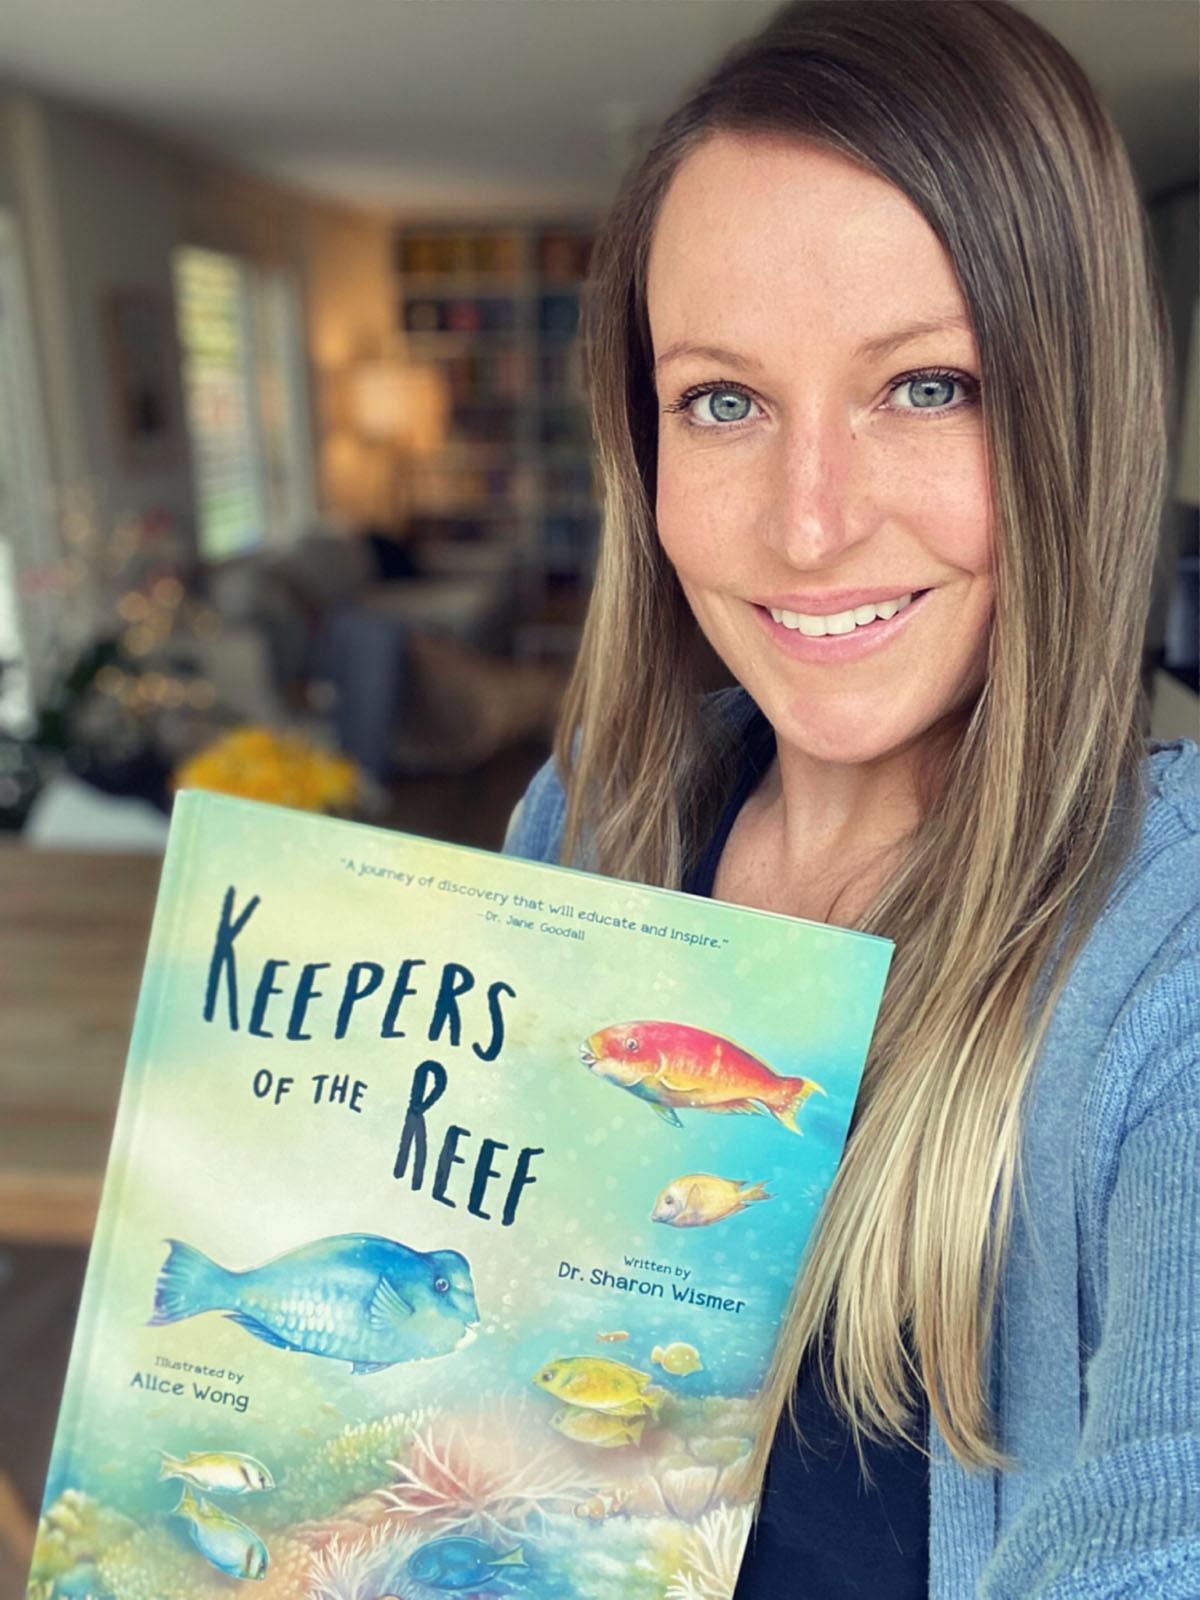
(710, 405)
(932, 391)
(726, 405)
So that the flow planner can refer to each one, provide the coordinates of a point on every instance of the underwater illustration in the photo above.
(671, 1065)
(218, 1471)
(365, 1300)
(699, 1199)
(224, 1542)
(387, 1299)
(415, 1505)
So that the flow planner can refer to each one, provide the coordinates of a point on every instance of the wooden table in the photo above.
(73, 934)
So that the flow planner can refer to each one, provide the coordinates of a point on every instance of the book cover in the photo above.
(453, 1207)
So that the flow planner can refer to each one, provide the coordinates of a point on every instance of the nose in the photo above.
(817, 507)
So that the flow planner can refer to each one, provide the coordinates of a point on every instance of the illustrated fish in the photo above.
(699, 1199)
(671, 1065)
(457, 1562)
(600, 1428)
(218, 1471)
(598, 1384)
(720, 1452)
(223, 1541)
(603, 1505)
(678, 1359)
(612, 1338)
(354, 1297)
(80, 1583)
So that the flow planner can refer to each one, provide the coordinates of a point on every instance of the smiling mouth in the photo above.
(842, 622)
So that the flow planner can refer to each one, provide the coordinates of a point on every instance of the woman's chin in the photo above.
(842, 741)
(845, 742)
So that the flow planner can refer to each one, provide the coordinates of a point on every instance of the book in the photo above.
(452, 1211)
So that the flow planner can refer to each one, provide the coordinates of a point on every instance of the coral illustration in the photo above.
(287, 1576)
(345, 1468)
(149, 1566)
(713, 1553)
(694, 1472)
(483, 1478)
(364, 1568)
(70, 1536)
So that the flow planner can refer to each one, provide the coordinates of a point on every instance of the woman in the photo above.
(878, 391)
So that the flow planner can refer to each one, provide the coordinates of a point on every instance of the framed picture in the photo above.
(143, 378)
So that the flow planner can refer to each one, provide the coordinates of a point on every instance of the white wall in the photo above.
(101, 206)
(117, 204)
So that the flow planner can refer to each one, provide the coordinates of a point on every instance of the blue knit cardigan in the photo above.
(1096, 1371)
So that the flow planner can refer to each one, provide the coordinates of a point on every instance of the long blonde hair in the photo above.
(992, 131)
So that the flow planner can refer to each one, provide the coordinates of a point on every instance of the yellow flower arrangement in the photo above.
(281, 768)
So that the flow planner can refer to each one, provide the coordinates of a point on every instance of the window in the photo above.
(28, 537)
(245, 390)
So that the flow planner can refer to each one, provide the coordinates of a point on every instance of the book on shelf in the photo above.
(453, 1207)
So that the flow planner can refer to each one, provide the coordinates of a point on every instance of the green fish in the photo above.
(223, 1541)
(218, 1471)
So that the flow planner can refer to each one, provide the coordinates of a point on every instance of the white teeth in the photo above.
(840, 621)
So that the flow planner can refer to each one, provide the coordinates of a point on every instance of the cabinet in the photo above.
(496, 310)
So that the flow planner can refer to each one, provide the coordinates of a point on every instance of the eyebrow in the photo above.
(886, 343)
(870, 349)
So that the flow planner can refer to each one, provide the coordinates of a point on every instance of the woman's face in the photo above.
(822, 478)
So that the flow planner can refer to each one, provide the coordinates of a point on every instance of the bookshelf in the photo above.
(497, 310)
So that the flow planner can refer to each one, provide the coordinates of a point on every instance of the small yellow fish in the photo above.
(218, 1471)
(611, 1338)
(599, 1428)
(678, 1359)
(698, 1199)
(598, 1384)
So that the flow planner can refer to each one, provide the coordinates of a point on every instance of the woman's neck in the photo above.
(820, 839)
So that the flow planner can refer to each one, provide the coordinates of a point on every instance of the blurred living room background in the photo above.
(296, 486)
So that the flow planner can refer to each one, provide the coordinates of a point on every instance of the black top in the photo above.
(823, 1531)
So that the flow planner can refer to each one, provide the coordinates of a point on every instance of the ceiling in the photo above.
(460, 106)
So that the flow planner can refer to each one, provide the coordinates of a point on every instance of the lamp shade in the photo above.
(393, 403)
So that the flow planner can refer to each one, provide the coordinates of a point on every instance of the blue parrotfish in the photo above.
(461, 1563)
(355, 1297)
(223, 1541)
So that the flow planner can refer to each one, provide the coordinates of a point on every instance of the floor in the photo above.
(39, 1295)
(39, 1288)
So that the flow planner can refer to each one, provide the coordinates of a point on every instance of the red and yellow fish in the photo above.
(670, 1065)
